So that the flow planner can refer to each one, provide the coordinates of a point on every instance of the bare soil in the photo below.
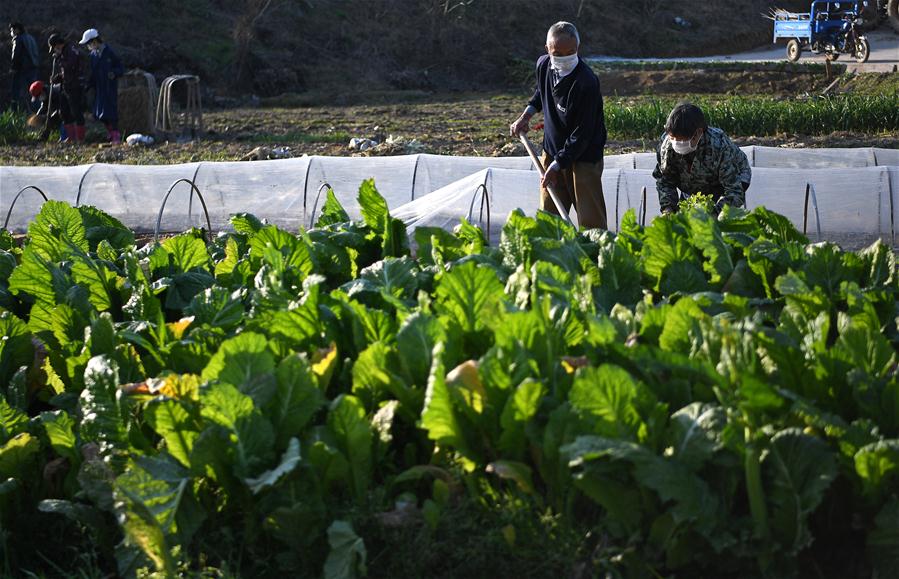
(448, 124)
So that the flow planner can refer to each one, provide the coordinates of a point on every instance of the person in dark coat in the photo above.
(67, 65)
(23, 67)
(106, 68)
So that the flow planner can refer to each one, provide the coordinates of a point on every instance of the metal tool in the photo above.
(552, 194)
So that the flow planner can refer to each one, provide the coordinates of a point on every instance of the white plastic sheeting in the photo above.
(782, 158)
(851, 206)
(857, 190)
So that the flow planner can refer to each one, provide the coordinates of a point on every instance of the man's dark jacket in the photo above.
(574, 121)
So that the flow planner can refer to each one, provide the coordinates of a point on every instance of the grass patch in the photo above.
(629, 119)
(873, 83)
(13, 128)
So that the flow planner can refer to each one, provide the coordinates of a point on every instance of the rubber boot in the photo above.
(80, 132)
(71, 133)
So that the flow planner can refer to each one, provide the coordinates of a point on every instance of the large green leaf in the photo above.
(878, 466)
(332, 211)
(12, 420)
(879, 265)
(174, 423)
(104, 421)
(618, 276)
(299, 327)
(246, 362)
(97, 279)
(99, 226)
(695, 433)
(777, 227)
(289, 462)
(348, 422)
(294, 251)
(149, 495)
(18, 455)
(417, 336)
(706, 237)
(520, 409)
(470, 295)
(251, 435)
(692, 502)
(797, 469)
(217, 307)
(374, 381)
(438, 417)
(296, 400)
(668, 258)
(60, 428)
(866, 348)
(38, 277)
(372, 206)
(186, 252)
(16, 348)
(346, 559)
(682, 325)
(56, 230)
(158, 484)
(394, 276)
(607, 397)
(246, 223)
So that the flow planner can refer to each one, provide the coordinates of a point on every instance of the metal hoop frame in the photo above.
(643, 203)
(166, 198)
(485, 199)
(306, 183)
(415, 174)
(81, 184)
(810, 194)
(16, 199)
(318, 195)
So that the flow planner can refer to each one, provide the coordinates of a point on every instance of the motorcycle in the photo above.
(831, 28)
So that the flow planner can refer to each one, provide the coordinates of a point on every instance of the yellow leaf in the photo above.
(323, 363)
(177, 328)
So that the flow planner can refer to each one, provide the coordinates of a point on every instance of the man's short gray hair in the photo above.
(563, 29)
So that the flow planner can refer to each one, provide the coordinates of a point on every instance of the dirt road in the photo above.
(884, 55)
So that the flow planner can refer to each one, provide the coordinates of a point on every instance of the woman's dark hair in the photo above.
(17, 26)
(685, 120)
(55, 40)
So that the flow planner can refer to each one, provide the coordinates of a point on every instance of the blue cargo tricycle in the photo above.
(829, 27)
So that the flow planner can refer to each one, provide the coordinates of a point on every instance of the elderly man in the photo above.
(696, 158)
(569, 96)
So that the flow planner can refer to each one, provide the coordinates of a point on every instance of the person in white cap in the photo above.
(106, 68)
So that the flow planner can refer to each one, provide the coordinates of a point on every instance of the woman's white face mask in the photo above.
(686, 147)
(563, 64)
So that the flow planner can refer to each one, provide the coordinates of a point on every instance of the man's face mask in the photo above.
(563, 64)
(687, 146)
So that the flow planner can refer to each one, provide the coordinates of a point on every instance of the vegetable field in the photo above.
(701, 397)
